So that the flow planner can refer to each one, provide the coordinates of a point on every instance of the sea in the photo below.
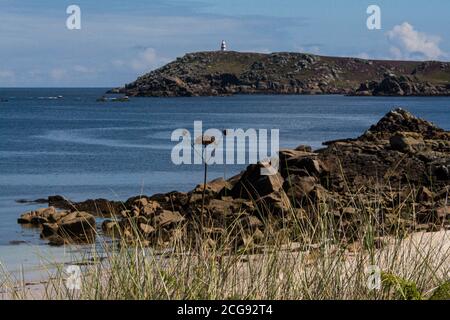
(65, 142)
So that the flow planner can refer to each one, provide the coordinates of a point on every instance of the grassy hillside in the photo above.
(220, 73)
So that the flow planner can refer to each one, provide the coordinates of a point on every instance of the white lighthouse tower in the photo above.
(223, 46)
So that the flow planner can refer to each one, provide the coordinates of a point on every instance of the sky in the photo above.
(120, 40)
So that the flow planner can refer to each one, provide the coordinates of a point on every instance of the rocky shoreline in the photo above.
(229, 73)
(397, 174)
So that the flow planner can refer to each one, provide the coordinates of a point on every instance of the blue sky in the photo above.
(120, 40)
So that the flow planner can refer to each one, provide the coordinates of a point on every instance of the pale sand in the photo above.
(431, 247)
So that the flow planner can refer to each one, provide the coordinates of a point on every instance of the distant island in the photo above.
(218, 73)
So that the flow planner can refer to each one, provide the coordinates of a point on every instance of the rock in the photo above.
(442, 173)
(167, 219)
(253, 185)
(276, 203)
(443, 213)
(214, 187)
(143, 207)
(38, 201)
(48, 230)
(251, 222)
(57, 241)
(16, 242)
(37, 217)
(25, 218)
(99, 207)
(299, 188)
(407, 142)
(258, 237)
(77, 227)
(146, 229)
(69, 217)
(58, 202)
(400, 120)
(303, 148)
(57, 216)
(403, 85)
(38, 220)
(111, 228)
(219, 73)
(218, 207)
(424, 195)
(376, 174)
(444, 193)
(141, 203)
(301, 163)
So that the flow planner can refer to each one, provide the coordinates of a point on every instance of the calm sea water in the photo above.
(80, 148)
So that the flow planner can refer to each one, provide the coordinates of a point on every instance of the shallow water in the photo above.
(81, 148)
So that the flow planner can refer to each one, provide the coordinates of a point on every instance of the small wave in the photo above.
(74, 137)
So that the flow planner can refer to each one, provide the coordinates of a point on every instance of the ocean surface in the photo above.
(80, 148)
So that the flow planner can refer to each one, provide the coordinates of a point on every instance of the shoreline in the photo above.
(306, 178)
(251, 215)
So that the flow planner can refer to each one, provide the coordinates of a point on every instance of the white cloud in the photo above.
(58, 73)
(309, 49)
(7, 74)
(409, 43)
(144, 61)
(363, 55)
(83, 69)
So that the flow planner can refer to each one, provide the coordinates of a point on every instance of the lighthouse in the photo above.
(223, 46)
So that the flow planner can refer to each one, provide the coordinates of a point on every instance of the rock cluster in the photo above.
(404, 85)
(227, 73)
(61, 227)
(397, 173)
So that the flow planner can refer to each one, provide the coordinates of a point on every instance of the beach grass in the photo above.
(301, 260)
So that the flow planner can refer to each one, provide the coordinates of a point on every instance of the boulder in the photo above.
(400, 120)
(213, 187)
(274, 204)
(48, 230)
(376, 173)
(77, 227)
(146, 229)
(442, 172)
(253, 185)
(38, 216)
(251, 222)
(111, 228)
(443, 213)
(144, 207)
(167, 219)
(407, 142)
(301, 163)
(299, 188)
(25, 218)
(59, 202)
